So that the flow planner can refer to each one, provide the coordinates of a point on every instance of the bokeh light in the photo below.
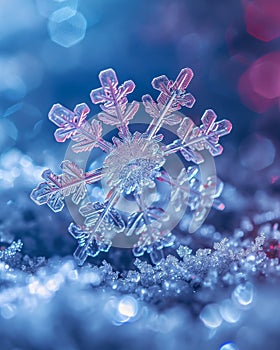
(210, 316)
(256, 152)
(229, 346)
(244, 294)
(229, 311)
(262, 18)
(128, 306)
(67, 27)
(259, 86)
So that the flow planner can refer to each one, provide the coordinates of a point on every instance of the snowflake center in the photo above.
(137, 173)
(134, 164)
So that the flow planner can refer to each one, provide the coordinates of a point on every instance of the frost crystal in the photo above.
(134, 164)
(11, 250)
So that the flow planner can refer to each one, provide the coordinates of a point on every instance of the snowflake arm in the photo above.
(193, 139)
(88, 245)
(141, 221)
(72, 181)
(145, 223)
(172, 96)
(199, 196)
(180, 186)
(113, 101)
(73, 125)
(102, 217)
(101, 223)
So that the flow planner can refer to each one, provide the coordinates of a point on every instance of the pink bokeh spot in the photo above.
(262, 18)
(265, 78)
(274, 179)
(259, 86)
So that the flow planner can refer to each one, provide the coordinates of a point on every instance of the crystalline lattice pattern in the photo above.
(134, 162)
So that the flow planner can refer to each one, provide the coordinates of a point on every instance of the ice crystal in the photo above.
(144, 299)
(133, 164)
(11, 250)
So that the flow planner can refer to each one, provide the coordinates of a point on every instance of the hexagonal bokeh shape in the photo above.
(67, 27)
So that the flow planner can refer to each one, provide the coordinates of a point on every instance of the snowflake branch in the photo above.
(199, 195)
(96, 215)
(172, 97)
(193, 139)
(146, 224)
(56, 187)
(114, 101)
(73, 125)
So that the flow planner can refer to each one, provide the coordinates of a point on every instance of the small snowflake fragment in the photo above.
(8, 252)
(133, 166)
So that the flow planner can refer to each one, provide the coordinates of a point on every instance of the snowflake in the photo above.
(133, 165)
